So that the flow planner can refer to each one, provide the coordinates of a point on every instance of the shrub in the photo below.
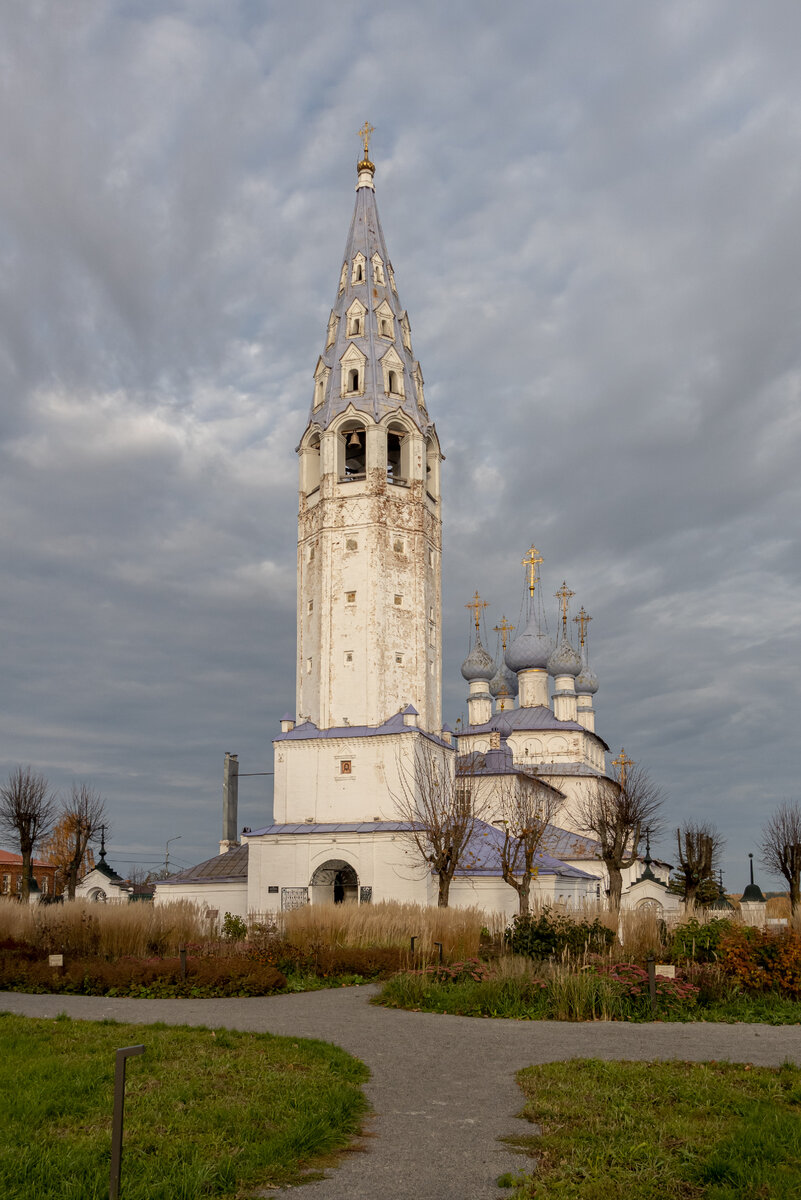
(154, 977)
(762, 961)
(699, 942)
(234, 929)
(674, 996)
(549, 934)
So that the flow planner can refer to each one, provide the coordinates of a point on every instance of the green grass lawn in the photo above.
(716, 1131)
(208, 1112)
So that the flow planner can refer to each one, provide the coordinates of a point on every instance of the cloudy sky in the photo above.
(592, 211)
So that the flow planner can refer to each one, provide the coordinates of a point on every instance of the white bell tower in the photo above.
(369, 622)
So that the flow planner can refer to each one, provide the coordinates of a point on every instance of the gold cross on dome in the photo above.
(364, 134)
(582, 620)
(563, 596)
(477, 605)
(623, 762)
(532, 560)
(503, 629)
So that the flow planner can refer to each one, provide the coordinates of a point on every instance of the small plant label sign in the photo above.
(56, 960)
(666, 970)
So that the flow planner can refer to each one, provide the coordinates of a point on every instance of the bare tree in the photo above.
(26, 814)
(780, 848)
(617, 811)
(440, 805)
(83, 815)
(524, 807)
(699, 845)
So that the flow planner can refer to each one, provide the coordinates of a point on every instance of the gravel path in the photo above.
(442, 1088)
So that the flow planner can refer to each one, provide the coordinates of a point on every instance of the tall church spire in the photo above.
(367, 361)
(369, 526)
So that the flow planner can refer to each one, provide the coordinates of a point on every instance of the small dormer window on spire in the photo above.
(378, 269)
(352, 363)
(357, 274)
(320, 380)
(386, 321)
(331, 337)
(392, 366)
(343, 278)
(356, 315)
(406, 331)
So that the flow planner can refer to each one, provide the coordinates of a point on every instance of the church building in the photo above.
(368, 701)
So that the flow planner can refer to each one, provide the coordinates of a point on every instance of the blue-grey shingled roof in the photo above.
(223, 868)
(482, 856)
(322, 827)
(366, 237)
(538, 717)
(308, 731)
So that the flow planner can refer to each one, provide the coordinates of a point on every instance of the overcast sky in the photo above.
(592, 211)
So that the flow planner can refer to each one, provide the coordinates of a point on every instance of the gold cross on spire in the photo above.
(623, 762)
(532, 560)
(582, 620)
(563, 596)
(364, 134)
(477, 605)
(503, 629)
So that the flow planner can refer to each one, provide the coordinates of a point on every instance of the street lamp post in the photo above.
(167, 854)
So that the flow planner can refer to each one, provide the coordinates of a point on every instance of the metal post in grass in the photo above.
(652, 983)
(413, 940)
(116, 1123)
(440, 950)
(182, 957)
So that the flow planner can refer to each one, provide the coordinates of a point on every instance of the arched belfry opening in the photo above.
(334, 882)
(352, 451)
(397, 454)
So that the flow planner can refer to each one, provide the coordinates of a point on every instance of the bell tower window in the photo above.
(352, 364)
(398, 449)
(356, 314)
(386, 322)
(378, 269)
(352, 452)
(358, 268)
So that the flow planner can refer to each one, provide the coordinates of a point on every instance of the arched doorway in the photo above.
(334, 882)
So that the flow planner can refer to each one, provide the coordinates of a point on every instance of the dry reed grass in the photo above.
(778, 906)
(389, 923)
(108, 930)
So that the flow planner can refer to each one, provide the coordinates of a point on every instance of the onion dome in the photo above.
(530, 650)
(564, 660)
(587, 680)
(478, 664)
(503, 681)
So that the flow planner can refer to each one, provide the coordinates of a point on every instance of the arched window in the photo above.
(392, 382)
(310, 466)
(352, 451)
(386, 327)
(353, 380)
(355, 325)
(357, 273)
(398, 450)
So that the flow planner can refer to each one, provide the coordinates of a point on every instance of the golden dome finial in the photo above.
(364, 134)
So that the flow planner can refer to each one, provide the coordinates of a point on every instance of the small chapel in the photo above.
(368, 697)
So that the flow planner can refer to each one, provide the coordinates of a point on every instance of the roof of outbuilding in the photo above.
(482, 856)
(308, 731)
(223, 868)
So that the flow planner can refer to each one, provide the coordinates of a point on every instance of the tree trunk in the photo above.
(444, 889)
(690, 896)
(615, 886)
(25, 893)
(524, 897)
(795, 894)
(72, 880)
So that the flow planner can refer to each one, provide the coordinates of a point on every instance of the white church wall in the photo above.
(383, 862)
(219, 897)
(328, 780)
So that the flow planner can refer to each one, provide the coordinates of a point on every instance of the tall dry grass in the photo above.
(389, 923)
(108, 930)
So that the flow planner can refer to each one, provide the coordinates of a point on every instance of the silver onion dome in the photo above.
(531, 649)
(478, 664)
(564, 660)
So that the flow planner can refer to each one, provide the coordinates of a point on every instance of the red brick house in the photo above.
(11, 874)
